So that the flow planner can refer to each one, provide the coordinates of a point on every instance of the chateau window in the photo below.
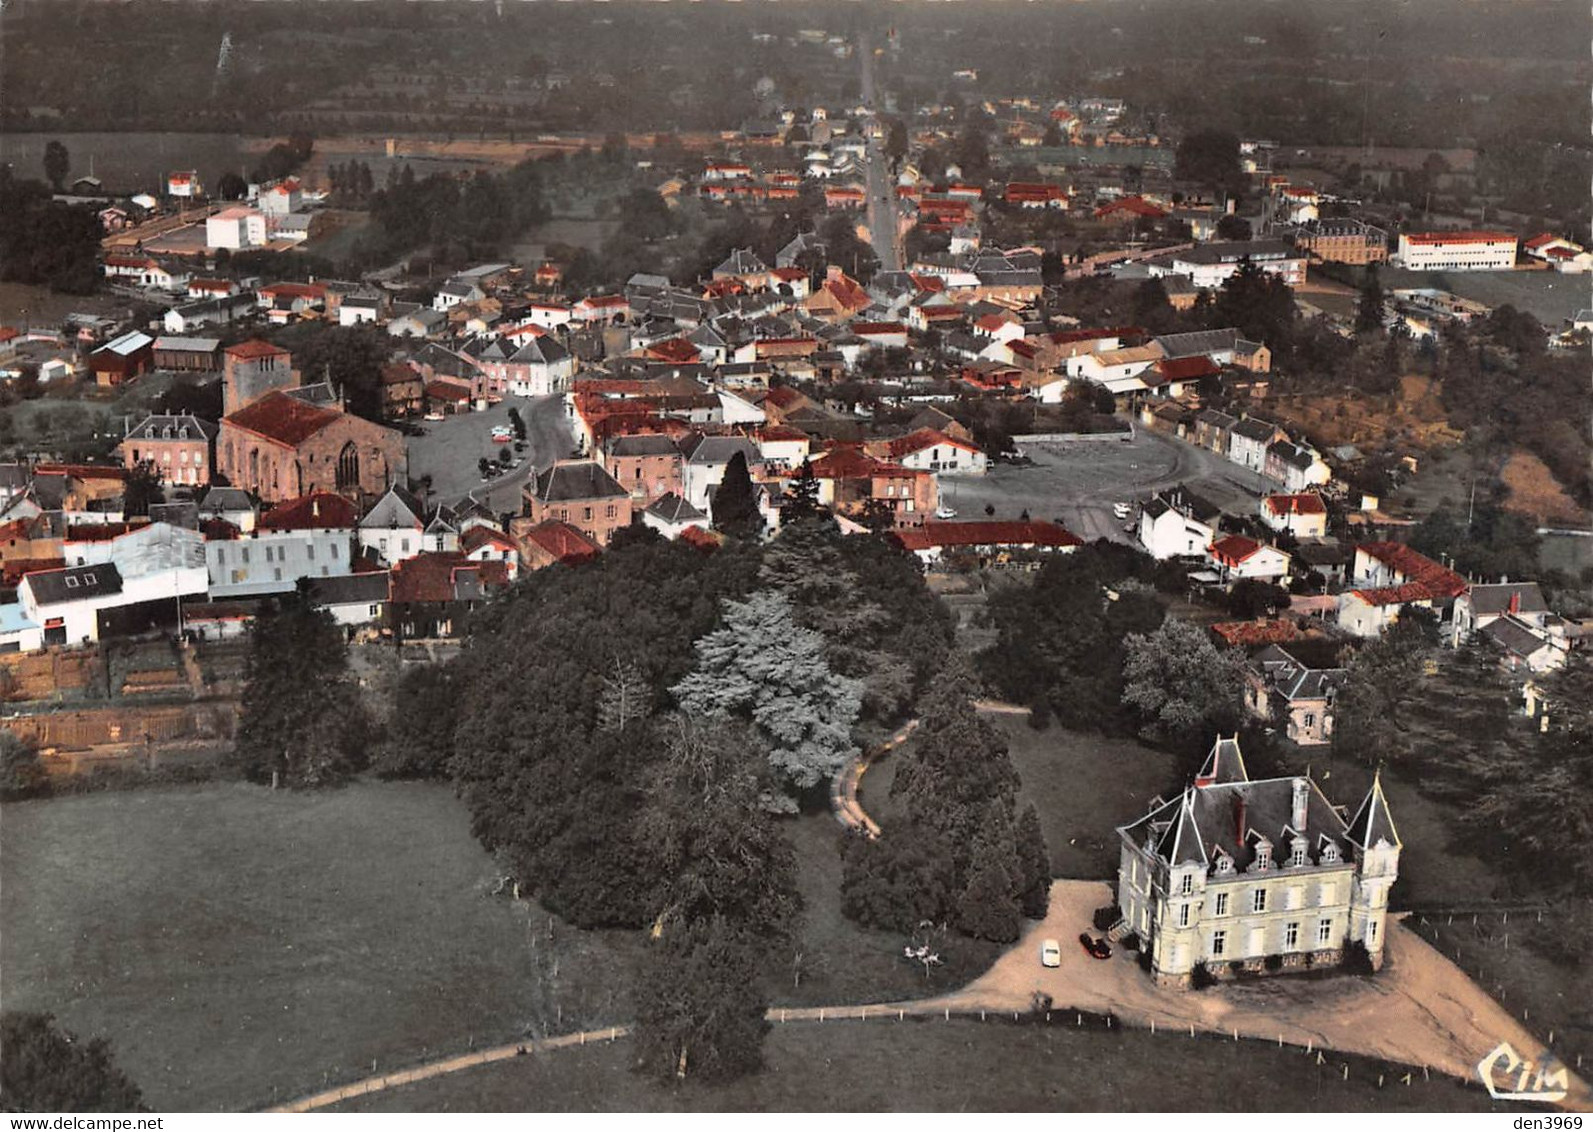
(1222, 904)
(611, 510)
(311, 550)
(1258, 900)
(1324, 931)
(1187, 885)
(246, 556)
(221, 556)
(1297, 854)
(1219, 943)
(1371, 932)
(1330, 893)
(1263, 855)
(1291, 936)
(1183, 915)
(334, 550)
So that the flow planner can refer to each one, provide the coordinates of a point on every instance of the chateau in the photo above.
(1239, 876)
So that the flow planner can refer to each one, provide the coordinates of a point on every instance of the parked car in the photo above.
(1095, 948)
(944, 512)
(1050, 954)
(1122, 510)
(434, 416)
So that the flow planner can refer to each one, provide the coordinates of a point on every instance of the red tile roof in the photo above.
(1234, 549)
(1394, 595)
(286, 420)
(864, 329)
(477, 537)
(81, 471)
(1440, 581)
(565, 543)
(318, 511)
(994, 533)
(434, 577)
(1467, 237)
(674, 350)
(101, 532)
(447, 391)
(254, 348)
(925, 438)
(707, 541)
(1187, 369)
(18, 567)
(1247, 633)
(1301, 503)
(1138, 206)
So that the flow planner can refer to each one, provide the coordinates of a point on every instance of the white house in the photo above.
(1238, 558)
(236, 228)
(670, 516)
(928, 450)
(1302, 514)
(707, 457)
(353, 599)
(1248, 441)
(1176, 526)
(393, 528)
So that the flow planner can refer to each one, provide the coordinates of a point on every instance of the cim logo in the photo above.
(1510, 1077)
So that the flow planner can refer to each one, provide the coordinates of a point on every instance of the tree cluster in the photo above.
(45, 242)
(303, 722)
(48, 1069)
(960, 854)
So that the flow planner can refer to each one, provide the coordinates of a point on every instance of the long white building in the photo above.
(1456, 251)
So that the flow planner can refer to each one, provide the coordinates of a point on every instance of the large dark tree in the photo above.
(47, 1069)
(57, 163)
(1034, 865)
(43, 241)
(303, 723)
(1369, 308)
(735, 502)
(1258, 302)
(420, 737)
(143, 489)
(1209, 158)
(802, 498)
(350, 357)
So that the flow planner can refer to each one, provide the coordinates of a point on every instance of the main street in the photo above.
(883, 229)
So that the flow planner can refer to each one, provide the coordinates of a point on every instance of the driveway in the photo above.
(451, 449)
(1419, 1010)
(1078, 481)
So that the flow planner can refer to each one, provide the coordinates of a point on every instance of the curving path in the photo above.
(843, 790)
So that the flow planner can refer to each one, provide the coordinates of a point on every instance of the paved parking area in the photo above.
(1078, 482)
(452, 448)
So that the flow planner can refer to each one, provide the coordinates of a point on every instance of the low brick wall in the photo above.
(133, 729)
(41, 675)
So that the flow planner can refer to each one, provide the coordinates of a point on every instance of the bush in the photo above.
(1203, 977)
(1273, 963)
(1040, 712)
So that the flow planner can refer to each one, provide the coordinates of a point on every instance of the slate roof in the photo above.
(397, 508)
(368, 588)
(1293, 679)
(569, 480)
(721, 449)
(1495, 598)
(643, 444)
(671, 508)
(1254, 428)
(1197, 342)
(183, 426)
(1372, 822)
(74, 583)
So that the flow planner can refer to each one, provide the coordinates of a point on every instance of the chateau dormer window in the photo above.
(1330, 854)
(1297, 854)
(1224, 864)
(1263, 855)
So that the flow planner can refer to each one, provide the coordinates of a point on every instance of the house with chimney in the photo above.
(580, 493)
(1236, 876)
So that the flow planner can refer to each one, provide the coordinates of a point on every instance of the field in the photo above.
(131, 162)
(931, 1065)
(236, 944)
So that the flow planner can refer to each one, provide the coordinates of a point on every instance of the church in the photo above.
(1237, 876)
(282, 440)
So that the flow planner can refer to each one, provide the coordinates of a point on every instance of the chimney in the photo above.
(1515, 602)
(1302, 795)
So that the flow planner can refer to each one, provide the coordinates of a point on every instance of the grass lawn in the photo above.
(945, 1066)
(846, 962)
(231, 941)
(1084, 787)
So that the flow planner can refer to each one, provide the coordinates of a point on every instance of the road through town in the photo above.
(883, 229)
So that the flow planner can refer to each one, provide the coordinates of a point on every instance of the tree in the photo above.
(57, 163)
(21, 772)
(988, 906)
(302, 723)
(1231, 227)
(1379, 685)
(1253, 597)
(700, 1003)
(897, 882)
(1209, 158)
(1369, 308)
(143, 488)
(802, 499)
(47, 1069)
(231, 186)
(1034, 865)
(1258, 302)
(763, 668)
(420, 738)
(517, 422)
(735, 502)
(1179, 684)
